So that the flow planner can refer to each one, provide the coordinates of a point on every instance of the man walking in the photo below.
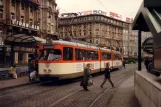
(86, 77)
(107, 76)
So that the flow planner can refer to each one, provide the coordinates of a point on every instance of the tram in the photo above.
(66, 60)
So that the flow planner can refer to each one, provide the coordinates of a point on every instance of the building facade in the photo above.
(20, 17)
(97, 29)
(25, 17)
(49, 16)
(130, 41)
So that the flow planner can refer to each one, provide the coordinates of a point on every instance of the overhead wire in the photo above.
(102, 5)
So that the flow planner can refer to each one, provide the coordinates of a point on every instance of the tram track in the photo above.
(91, 104)
(8, 91)
(70, 90)
(98, 97)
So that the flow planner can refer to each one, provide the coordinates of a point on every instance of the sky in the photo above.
(125, 8)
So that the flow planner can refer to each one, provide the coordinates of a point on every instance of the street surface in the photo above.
(70, 94)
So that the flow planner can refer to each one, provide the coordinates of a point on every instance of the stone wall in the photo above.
(147, 89)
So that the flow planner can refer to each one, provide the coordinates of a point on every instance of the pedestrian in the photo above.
(31, 67)
(36, 66)
(86, 77)
(12, 72)
(107, 76)
(123, 63)
(146, 62)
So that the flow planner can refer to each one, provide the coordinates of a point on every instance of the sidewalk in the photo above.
(125, 96)
(14, 82)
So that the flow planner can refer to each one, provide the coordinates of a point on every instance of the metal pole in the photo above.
(12, 55)
(139, 50)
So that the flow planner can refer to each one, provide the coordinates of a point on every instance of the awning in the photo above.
(23, 40)
(39, 39)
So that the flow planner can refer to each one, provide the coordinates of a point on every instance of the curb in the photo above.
(15, 86)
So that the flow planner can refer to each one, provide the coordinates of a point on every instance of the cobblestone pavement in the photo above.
(65, 95)
(125, 95)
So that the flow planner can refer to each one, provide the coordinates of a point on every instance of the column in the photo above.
(139, 50)
(12, 55)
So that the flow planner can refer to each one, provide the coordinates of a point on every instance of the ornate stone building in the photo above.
(94, 28)
(19, 17)
(49, 16)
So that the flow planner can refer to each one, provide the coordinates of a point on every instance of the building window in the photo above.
(31, 9)
(1, 14)
(22, 5)
(12, 16)
(30, 22)
(22, 19)
(49, 16)
(49, 27)
(96, 41)
(13, 3)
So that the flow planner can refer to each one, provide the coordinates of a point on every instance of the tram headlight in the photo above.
(45, 71)
(49, 70)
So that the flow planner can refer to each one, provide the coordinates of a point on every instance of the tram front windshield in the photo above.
(50, 54)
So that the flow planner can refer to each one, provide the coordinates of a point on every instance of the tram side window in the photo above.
(67, 53)
(78, 54)
(117, 57)
(106, 56)
(50, 54)
(84, 52)
(89, 57)
(94, 55)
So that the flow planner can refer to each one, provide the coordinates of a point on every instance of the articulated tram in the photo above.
(65, 60)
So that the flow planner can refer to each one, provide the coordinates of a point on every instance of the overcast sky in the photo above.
(126, 8)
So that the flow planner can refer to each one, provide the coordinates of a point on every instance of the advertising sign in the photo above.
(92, 12)
(129, 20)
(115, 15)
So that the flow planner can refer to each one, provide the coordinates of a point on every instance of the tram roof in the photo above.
(83, 45)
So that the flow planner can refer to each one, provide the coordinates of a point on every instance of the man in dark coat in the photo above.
(107, 76)
(31, 67)
(123, 63)
(86, 77)
(146, 62)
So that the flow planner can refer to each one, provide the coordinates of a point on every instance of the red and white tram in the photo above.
(64, 60)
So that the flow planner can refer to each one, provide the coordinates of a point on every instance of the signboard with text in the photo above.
(129, 20)
(92, 12)
(100, 12)
(115, 15)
